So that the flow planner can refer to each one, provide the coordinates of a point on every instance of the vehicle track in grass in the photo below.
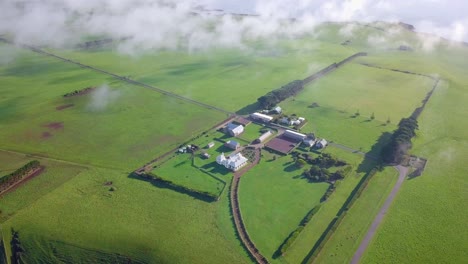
(403, 171)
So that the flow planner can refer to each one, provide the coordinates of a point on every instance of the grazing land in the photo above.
(108, 127)
(341, 246)
(87, 206)
(229, 79)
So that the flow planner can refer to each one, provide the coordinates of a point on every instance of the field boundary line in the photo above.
(118, 77)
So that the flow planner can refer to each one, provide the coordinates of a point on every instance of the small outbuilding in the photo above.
(322, 143)
(210, 145)
(232, 144)
(234, 129)
(277, 110)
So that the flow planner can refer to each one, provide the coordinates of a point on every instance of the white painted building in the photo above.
(233, 162)
(294, 135)
(261, 117)
(234, 129)
(321, 143)
(264, 136)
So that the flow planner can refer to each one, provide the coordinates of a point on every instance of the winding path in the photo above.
(380, 216)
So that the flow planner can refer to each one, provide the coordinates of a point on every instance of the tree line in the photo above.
(18, 175)
(396, 150)
(276, 96)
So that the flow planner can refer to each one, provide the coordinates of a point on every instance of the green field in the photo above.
(426, 218)
(330, 208)
(54, 175)
(181, 171)
(341, 247)
(273, 199)
(86, 208)
(230, 79)
(117, 127)
(137, 220)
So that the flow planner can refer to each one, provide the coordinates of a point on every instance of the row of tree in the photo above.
(18, 175)
(276, 96)
(17, 250)
(320, 174)
(396, 150)
(324, 160)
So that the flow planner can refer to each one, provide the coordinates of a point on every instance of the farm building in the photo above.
(263, 137)
(309, 142)
(232, 144)
(277, 110)
(210, 145)
(321, 143)
(234, 129)
(243, 121)
(233, 162)
(206, 155)
(294, 135)
(261, 117)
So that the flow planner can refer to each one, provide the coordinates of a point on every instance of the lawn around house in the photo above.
(181, 171)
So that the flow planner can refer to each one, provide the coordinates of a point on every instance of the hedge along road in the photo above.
(378, 219)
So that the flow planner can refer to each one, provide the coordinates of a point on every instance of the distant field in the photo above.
(355, 87)
(228, 79)
(119, 127)
(137, 220)
(341, 247)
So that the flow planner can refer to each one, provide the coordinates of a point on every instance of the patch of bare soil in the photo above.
(62, 107)
(46, 135)
(54, 125)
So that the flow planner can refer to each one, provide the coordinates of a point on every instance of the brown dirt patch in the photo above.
(62, 107)
(54, 125)
(46, 135)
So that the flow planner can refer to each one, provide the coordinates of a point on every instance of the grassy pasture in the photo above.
(137, 220)
(330, 208)
(119, 127)
(341, 247)
(427, 218)
(229, 79)
(273, 200)
(55, 174)
(181, 171)
(369, 90)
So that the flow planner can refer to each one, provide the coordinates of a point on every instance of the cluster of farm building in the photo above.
(285, 142)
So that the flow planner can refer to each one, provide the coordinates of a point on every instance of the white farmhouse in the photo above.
(233, 162)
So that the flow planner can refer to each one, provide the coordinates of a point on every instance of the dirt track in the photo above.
(380, 216)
